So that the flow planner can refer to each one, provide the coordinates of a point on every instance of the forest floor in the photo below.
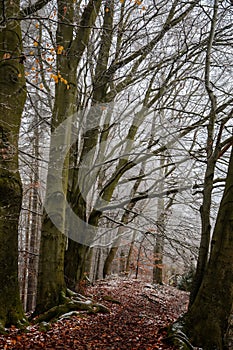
(139, 315)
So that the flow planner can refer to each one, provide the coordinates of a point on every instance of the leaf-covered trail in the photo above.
(138, 316)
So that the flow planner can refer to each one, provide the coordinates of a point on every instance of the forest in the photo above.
(116, 158)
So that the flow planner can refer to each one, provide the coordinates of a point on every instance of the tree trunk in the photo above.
(162, 211)
(126, 217)
(159, 244)
(205, 229)
(23, 250)
(76, 250)
(212, 156)
(75, 259)
(122, 261)
(209, 315)
(139, 257)
(97, 264)
(35, 226)
(53, 241)
(51, 282)
(108, 262)
(158, 259)
(130, 265)
(12, 99)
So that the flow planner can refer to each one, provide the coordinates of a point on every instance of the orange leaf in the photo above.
(6, 56)
(60, 48)
(64, 81)
(54, 77)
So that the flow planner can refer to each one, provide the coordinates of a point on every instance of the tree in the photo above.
(209, 315)
(112, 67)
(51, 283)
(214, 149)
(12, 99)
(125, 219)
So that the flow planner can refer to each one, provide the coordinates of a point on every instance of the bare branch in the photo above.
(33, 8)
(146, 196)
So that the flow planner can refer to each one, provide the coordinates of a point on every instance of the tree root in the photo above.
(20, 323)
(180, 340)
(75, 302)
(111, 299)
(3, 330)
(150, 299)
(177, 337)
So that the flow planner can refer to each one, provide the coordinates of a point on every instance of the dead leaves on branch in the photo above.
(139, 315)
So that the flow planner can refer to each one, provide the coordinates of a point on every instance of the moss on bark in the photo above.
(12, 99)
(51, 264)
(208, 317)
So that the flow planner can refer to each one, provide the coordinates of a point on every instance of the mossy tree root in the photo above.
(177, 337)
(75, 302)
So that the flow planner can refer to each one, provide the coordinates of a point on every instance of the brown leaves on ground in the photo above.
(139, 315)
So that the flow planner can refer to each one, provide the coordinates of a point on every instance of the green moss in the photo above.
(12, 99)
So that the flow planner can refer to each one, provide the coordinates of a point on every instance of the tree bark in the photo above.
(159, 243)
(12, 99)
(51, 280)
(53, 241)
(212, 155)
(75, 264)
(209, 315)
(76, 253)
(130, 265)
(35, 227)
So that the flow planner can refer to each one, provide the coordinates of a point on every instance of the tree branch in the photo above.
(139, 198)
(33, 8)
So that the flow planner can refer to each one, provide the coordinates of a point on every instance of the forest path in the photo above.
(139, 314)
